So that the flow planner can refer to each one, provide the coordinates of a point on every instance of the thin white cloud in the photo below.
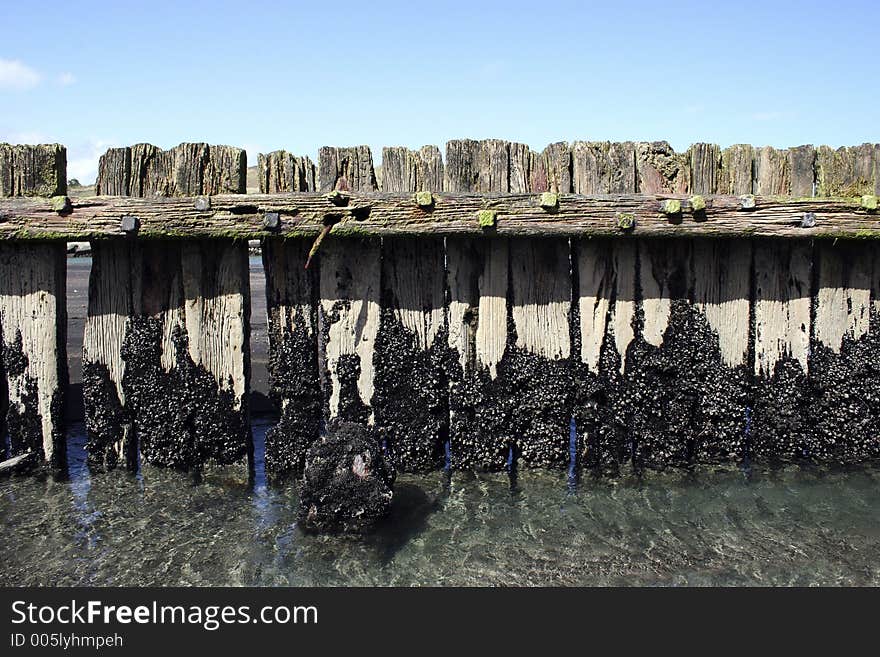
(17, 76)
(82, 159)
(66, 79)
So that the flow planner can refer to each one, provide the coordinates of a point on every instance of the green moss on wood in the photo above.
(697, 203)
(487, 218)
(670, 206)
(424, 199)
(549, 201)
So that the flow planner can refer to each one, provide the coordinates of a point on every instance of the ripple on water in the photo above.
(713, 526)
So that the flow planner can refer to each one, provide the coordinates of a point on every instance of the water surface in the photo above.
(713, 526)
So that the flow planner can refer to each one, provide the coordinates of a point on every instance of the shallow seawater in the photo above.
(709, 527)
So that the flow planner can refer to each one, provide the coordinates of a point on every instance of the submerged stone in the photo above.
(348, 483)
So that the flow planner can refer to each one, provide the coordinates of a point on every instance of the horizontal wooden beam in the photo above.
(292, 214)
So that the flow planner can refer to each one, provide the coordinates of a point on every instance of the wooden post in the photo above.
(550, 170)
(280, 171)
(346, 169)
(783, 274)
(350, 280)
(33, 315)
(660, 169)
(404, 170)
(291, 299)
(844, 417)
(166, 359)
(291, 303)
(737, 170)
(411, 390)
(604, 167)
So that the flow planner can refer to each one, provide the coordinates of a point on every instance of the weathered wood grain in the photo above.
(782, 304)
(411, 390)
(294, 378)
(33, 355)
(550, 170)
(705, 168)
(110, 304)
(660, 169)
(802, 169)
(772, 173)
(843, 297)
(737, 170)
(477, 166)
(346, 169)
(33, 315)
(189, 168)
(398, 214)
(349, 314)
(404, 170)
(33, 170)
(722, 291)
(477, 282)
(166, 356)
(604, 167)
(848, 171)
(280, 171)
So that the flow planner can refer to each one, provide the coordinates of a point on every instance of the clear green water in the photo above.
(711, 527)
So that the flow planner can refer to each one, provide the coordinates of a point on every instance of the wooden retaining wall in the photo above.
(679, 307)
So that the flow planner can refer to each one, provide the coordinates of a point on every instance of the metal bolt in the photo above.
(487, 218)
(670, 207)
(549, 201)
(425, 200)
(626, 220)
(697, 203)
(203, 203)
(272, 221)
(61, 204)
(130, 224)
(747, 202)
(808, 220)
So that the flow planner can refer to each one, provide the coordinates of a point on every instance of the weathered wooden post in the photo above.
(291, 302)
(33, 313)
(844, 408)
(166, 353)
(510, 302)
(349, 293)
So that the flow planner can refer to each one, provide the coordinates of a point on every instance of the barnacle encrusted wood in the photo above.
(33, 315)
(166, 356)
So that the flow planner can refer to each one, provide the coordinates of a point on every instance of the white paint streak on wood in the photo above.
(624, 310)
(413, 268)
(541, 286)
(491, 338)
(32, 303)
(722, 271)
(843, 300)
(349, 291)
(782, 304)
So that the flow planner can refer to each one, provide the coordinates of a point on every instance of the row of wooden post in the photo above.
(663, 351)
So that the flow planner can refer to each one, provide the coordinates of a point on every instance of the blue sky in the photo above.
(265, 75)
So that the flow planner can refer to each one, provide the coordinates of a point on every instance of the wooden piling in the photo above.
(166, 358)
(33, 315)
